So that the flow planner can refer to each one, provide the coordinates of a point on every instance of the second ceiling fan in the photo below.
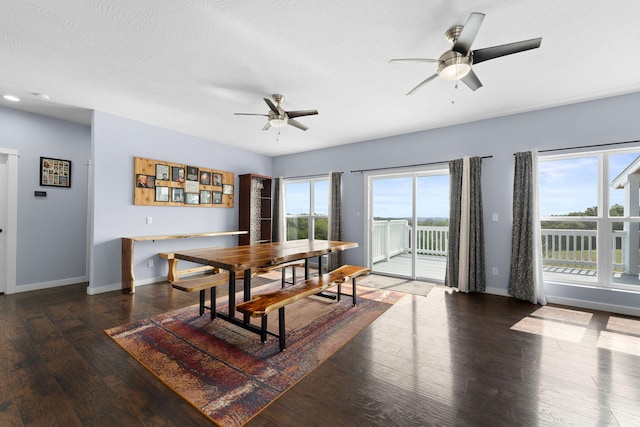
(278, 117)
(456, 64)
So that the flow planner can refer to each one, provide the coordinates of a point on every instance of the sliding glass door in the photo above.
(392, 225)
(409, 224)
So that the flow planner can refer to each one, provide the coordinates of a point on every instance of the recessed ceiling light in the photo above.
(11, 98)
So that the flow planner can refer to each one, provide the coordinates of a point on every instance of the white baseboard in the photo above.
(497, 291)
(52, 284)
(94, 290)
(620, 309)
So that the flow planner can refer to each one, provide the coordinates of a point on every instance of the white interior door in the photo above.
(8, 219)
(3, 222)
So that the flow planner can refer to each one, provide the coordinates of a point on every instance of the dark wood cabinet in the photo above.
(254, 208)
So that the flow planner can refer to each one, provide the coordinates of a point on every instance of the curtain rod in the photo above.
(409, 166)
(309, 176)
(589, 146)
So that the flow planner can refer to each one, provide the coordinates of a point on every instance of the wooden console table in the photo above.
(128, 279)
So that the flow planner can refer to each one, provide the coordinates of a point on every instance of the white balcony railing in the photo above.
(393, 237)
(569, 248)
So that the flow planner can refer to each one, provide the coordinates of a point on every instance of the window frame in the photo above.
(312, 215)
(604, 222)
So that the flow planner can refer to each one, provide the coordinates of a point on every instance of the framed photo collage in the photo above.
(162, 183)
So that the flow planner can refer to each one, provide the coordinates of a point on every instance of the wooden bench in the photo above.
(262, 304)
(174, 274)
(201, 284)
(283, 268)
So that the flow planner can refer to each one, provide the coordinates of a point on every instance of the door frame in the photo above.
(415, 172)
(11, 214)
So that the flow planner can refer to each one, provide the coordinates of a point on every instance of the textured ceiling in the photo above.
(189, 65)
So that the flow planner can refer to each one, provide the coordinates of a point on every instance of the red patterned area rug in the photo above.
(225, 371)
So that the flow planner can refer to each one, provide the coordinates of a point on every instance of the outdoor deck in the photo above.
(428, 267)
(432, 268)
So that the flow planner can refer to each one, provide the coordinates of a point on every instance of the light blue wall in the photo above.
(116, 141)
(59, 221)
(597, 122)
(52, 230)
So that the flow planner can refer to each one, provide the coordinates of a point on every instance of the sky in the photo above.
(392, 197)
(571, 185)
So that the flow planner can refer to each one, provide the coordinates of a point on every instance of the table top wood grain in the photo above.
(240, 258)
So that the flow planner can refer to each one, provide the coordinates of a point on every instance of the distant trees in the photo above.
(616, 210)
(432, 222)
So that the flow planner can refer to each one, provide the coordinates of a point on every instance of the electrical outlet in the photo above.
(494, 271)
(150, 262)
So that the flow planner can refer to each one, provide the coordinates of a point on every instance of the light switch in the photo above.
(149, 220)
(494, 217)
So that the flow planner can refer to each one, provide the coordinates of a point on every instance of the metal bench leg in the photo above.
(339, 290)
(263, 329)
(281, 334)
(213, 303)
(354, 290)
(202, 301)
(284, 276)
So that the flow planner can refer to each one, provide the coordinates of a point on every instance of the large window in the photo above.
(590, 216)
(307, 208)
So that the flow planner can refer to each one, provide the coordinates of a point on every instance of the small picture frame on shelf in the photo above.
(162, 172)
(177, 195)
(205, 177)
(192, 173)
(205, 197)
(177, 174)
(145, 181)
(216, 197)
(192, 199)
(217, 179)
(55, 172)
(162, 194)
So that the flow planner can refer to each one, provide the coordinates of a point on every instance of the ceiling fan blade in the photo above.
(472, 81)
(469, 33)
(271, 105)
(300, 113)
(297, 124)
(427, 80)
(267, 126)
(414, 60)
(487, 53)
(250, 114)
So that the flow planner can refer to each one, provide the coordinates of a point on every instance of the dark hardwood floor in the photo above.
(447, 359)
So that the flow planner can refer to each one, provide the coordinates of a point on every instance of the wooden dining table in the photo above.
(260, 256)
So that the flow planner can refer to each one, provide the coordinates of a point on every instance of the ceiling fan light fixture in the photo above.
(278, 122)
(455, 71)
(454, 66)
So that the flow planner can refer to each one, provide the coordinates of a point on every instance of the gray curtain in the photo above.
(335, 218)
(276, 214)
(476, 264)
(521, 278)
(455, 197)
(477, 276)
